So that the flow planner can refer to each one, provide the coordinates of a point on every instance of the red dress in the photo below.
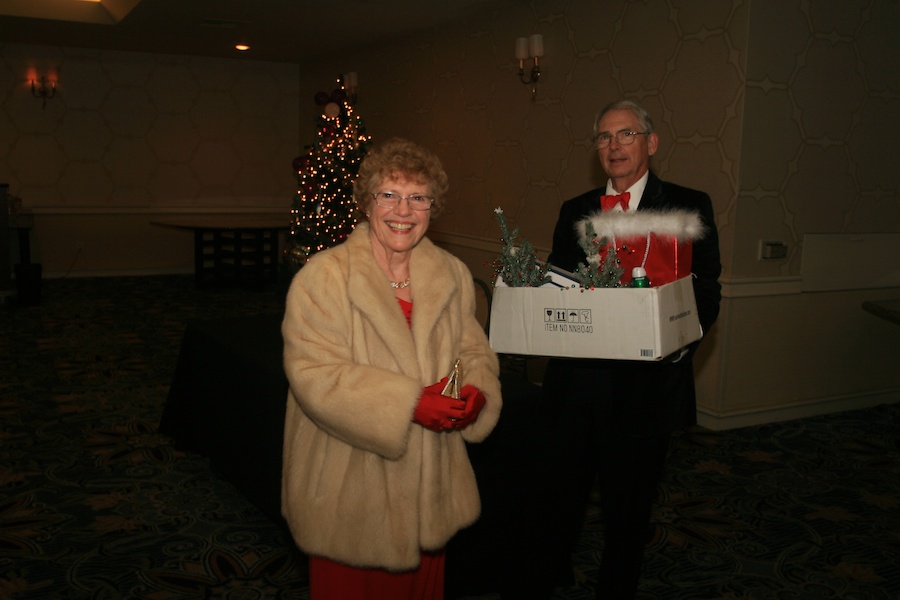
(330, 580)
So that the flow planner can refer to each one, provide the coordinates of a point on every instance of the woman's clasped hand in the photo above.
(441, 413)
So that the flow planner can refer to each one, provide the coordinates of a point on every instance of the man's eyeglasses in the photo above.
(623, 138)
(391, 200)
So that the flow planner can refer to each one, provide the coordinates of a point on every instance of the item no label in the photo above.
(568, 320)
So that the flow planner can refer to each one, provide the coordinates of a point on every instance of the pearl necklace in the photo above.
(399, 285)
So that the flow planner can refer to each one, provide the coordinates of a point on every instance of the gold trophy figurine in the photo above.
(452, 387)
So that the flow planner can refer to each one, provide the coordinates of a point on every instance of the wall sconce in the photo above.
(533, 48)
(44, 91)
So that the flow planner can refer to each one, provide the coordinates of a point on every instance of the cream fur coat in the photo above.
(362, 484)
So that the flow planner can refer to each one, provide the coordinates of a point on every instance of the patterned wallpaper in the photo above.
(130, 131)
(821, 125)
(784, 112)
(683, 60)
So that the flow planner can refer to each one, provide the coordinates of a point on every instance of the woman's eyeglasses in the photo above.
(391, 200)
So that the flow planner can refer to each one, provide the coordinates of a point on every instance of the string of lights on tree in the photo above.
(323, 213)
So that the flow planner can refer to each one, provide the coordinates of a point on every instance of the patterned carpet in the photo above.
(94, 503)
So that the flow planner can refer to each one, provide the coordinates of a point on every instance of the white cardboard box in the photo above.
(617, 323)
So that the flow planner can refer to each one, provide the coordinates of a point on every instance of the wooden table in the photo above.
(233, 249)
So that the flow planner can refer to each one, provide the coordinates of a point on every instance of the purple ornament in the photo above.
(338, 95)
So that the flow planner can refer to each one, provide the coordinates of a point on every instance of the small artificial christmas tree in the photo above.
(323, 213)
(600, 272)
(517, 265)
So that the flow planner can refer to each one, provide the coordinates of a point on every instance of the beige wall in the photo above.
(130, 138)
(820, 133)
(784, 112)
(821, 127)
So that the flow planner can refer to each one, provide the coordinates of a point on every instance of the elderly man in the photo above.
(613, 418)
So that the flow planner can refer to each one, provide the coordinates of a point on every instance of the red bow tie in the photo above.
(609, 202)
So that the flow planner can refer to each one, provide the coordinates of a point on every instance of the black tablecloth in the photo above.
(227, 402)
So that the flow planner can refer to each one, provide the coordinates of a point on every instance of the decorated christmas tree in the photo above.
(323, 213)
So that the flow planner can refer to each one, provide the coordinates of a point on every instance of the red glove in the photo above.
(436, 411)
(474, 400)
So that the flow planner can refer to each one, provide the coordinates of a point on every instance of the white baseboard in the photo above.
(824, 406)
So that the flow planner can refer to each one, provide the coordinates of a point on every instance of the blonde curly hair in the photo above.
(400, 158)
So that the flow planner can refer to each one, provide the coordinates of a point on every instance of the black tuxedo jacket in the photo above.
(642, 398)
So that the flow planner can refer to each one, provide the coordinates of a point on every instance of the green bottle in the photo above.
(639, 278)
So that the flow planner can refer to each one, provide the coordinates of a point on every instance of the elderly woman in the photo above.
(376, 478)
